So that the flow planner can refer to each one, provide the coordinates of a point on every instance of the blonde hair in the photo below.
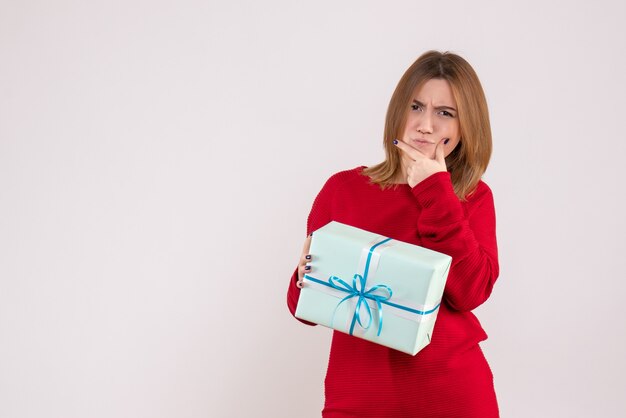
(469, 160)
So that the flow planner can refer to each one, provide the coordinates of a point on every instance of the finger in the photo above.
(413, 153)
(307, 245)
(306, 258)
(302, 271)
(304, 268)
(439, 152)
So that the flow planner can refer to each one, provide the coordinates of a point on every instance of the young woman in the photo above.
(428, 192)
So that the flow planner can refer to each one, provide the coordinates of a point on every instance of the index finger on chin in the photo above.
(413, 153)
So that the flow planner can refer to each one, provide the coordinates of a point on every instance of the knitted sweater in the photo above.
(450, 377)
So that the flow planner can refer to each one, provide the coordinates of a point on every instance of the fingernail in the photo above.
(308, 257)
(307, 267)
(446, 141)
(395, 142)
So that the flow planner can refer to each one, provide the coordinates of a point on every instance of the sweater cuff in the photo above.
(436, 193)
(433, 187)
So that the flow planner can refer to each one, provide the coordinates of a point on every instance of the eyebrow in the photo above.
(417, 102)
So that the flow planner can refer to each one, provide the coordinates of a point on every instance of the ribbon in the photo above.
(358, 289)
(359, 292)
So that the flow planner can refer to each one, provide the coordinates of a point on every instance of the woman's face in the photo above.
(432, 118)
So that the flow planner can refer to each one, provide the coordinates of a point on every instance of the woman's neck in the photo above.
(400, 177)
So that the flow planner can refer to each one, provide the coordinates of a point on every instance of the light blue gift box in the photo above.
(373, 287)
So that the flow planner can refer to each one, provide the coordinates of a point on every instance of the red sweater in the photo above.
(450, 377)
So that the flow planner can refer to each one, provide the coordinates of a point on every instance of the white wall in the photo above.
(158, 161)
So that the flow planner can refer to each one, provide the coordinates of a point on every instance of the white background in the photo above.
(158, 161)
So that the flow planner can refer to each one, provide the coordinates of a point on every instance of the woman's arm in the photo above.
(467, 234)
(320, 215)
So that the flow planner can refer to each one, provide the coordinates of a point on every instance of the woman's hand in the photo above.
(303, 268)
(420, 166)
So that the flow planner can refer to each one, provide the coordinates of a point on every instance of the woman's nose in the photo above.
(425, 124)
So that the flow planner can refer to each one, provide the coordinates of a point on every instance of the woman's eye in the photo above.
(446, 113)
(415, 106)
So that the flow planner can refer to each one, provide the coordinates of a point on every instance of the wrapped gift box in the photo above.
(373, 287)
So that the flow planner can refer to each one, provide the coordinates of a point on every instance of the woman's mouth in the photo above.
(421, 142)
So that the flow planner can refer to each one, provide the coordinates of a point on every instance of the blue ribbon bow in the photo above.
(359, 291)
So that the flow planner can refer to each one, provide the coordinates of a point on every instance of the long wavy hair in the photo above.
(468, 161)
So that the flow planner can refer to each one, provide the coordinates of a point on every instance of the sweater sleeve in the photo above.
(320, 215)
(467, 235)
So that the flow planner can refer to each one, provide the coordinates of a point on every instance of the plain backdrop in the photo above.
(158, 160)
